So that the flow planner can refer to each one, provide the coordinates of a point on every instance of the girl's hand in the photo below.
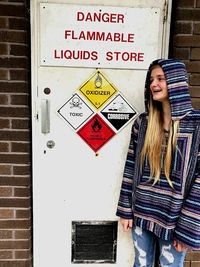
(179, 247)
(126, 224)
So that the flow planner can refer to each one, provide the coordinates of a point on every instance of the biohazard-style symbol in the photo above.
(75, 103)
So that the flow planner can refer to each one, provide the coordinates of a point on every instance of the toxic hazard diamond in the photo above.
(119, 112)
(75, 111)
(98, 90)
(96, 133)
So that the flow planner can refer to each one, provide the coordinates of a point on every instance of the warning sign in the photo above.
(119, 112)
(97, 111)
(96, 132)
(75, 111)
(98, 35)
(98, 90)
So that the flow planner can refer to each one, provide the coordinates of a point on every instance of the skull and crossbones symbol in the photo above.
(75, 103)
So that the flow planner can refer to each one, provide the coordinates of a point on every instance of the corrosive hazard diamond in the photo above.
(119, 112)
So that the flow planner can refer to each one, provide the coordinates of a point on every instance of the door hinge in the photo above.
(165, 11)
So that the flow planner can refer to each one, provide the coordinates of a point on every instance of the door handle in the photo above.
(45, 116)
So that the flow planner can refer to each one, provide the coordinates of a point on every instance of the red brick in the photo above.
(3, 23)
(19, 50)
(6, 234)
(22, 254)
(14, 244)
(185, 3)
(14, 135)
(12, 10)
(193, 66)
(15, 181)
(195, 53)
(22, 192)
(15, 158)
(15, 224)
(20, 75)
(3, 99)
(195, 91)
(20, 147)
(5, 254)
(13, 62)
(4, 123)
(5, 169)
(196, 103)
(20, 124)
(21, 170)
(3, 49)
(13, 36)
(15, 202)
(6, 214)
(14, 111)
(195, 263)
(4, 147)
(19, 100)
(187, 41)
(195, 79)
(13, 263)
(3, 74)
(183, 27)
(5, 192)
(187, 264)
(14, 87)
(22, 234)
(196, 28)
(20, 214)
(188, 14)
(18, 24)
(193, 255)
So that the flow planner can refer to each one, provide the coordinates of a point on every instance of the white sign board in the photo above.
(98, 36)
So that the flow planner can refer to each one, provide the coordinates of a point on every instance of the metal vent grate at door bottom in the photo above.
(94, 241)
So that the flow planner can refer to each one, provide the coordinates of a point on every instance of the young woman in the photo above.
(160, 192)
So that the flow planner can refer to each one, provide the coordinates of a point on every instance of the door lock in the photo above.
(50, 144)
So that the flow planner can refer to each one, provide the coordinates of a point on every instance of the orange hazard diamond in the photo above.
(98, 90)
(96, 132)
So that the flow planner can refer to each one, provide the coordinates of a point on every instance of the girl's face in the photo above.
(158, 85)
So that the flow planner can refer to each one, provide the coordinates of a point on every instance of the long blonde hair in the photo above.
(153, 142)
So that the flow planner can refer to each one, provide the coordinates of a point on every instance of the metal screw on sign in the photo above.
(50, 144)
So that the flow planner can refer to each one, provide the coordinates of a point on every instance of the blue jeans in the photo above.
(144, 243)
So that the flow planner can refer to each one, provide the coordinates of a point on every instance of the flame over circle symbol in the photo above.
(98, 81)
(96, 126)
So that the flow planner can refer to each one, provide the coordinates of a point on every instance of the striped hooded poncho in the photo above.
(170, 213)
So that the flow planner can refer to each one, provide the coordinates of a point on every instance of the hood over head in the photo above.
(177, 83)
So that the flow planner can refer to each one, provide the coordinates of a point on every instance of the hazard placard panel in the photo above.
(98, 90)
(119, 112)
(96, 132)
(97, 111)
(75, 111)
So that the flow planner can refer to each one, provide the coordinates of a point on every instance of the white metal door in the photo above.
(72, 183)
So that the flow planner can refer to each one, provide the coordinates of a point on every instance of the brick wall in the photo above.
(15, 174)
(185, 44)
(15, 193)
